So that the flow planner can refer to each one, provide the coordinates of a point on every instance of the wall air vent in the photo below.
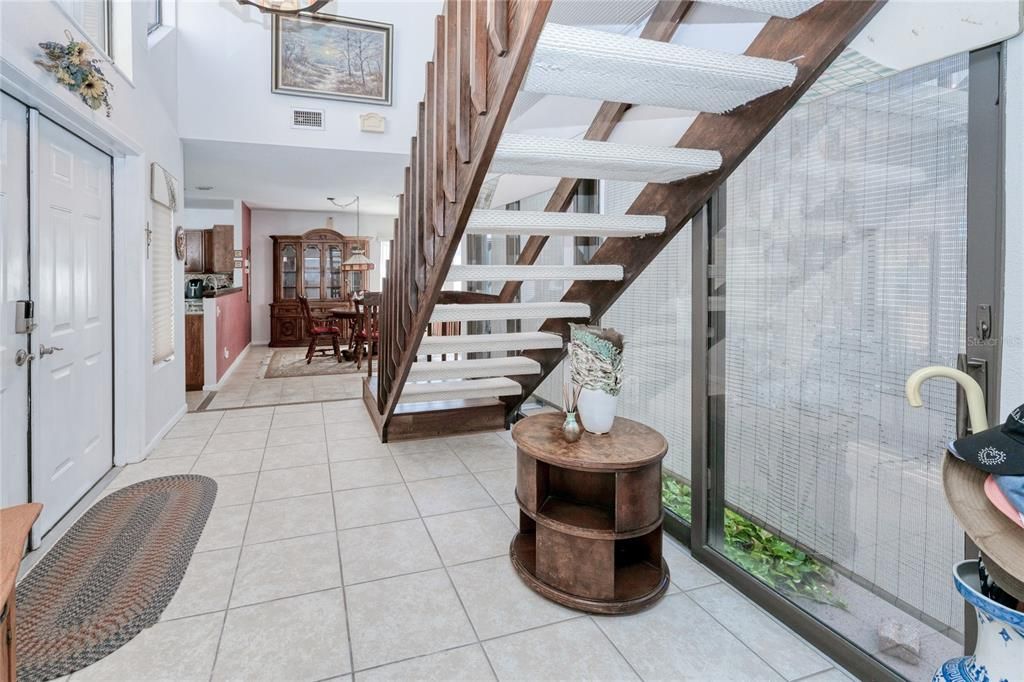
(308, 119)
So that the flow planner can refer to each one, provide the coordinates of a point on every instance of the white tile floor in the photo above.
(329, 555)
(246, 387)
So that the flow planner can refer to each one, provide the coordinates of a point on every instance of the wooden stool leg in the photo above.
(337, 346)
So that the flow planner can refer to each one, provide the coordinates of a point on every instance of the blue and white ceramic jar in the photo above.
(999, 655)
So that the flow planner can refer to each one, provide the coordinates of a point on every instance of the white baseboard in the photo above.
(260, 342)
(227, 375)
(163, 431)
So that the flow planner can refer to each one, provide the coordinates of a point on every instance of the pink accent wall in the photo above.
(234, 324)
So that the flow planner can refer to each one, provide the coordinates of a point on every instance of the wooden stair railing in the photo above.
(811, 41)
(482, 52)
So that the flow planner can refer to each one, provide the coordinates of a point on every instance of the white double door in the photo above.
(57, 411)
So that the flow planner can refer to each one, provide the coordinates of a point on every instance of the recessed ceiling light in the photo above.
(204, 188)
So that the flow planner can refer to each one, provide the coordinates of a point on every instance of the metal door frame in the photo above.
(985, 282)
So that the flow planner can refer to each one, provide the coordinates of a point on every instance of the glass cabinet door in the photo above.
(334, 277)
(311, 271)
(289, 271)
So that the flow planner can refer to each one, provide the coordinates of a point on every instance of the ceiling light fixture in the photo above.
(358, 259)
(204, 188)
(285, 6)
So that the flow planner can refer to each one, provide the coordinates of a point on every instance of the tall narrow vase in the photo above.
(999, 654)
(597, 410)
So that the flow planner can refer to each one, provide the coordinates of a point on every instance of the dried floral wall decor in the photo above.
(595, 356)
(75, 69)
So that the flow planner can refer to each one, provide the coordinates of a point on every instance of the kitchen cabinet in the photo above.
(194, 247)
(195, 371)
(210, 251)
(220, 249)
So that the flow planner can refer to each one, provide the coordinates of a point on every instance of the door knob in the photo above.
(43, 350)
(23, 357)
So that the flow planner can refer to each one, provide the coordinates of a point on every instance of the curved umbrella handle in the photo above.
(975, 396)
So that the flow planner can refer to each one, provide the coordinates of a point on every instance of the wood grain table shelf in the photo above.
(590, 515)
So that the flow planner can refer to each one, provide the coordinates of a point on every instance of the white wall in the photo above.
(1013, 297)
(266, 223)
(142, 129)
(205, 218)
(234, 102)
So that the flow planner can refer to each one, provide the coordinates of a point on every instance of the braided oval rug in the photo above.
(110, 576)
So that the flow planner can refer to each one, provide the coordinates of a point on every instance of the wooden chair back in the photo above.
(307, 313)
(367, 313)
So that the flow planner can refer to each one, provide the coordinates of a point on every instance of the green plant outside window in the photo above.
(761, 553)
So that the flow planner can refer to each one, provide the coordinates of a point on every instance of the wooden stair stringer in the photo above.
(502, 85)
(661, 25)
(812, 41)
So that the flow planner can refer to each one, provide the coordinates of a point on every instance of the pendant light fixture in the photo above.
(287, 7)
(358, 259)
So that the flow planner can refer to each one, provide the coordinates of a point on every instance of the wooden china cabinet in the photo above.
(310, 264)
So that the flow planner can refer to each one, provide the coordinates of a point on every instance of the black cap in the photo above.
(999, 450)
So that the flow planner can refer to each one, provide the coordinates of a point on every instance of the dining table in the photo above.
(346, 317)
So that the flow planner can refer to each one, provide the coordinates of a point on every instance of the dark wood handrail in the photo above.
(482, 52)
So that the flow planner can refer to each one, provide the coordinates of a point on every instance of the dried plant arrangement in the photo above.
(570, 396)
(595, 355)
(75, 69)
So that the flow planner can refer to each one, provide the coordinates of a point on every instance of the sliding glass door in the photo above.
(835, 263)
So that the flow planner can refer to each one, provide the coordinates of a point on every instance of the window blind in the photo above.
(161, 263)
(93, 16)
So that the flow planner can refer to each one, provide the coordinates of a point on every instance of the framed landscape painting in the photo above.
(332, 57)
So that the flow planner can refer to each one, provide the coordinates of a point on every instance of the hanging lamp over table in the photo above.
(357, 260)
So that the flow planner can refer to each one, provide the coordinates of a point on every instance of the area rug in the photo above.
(292, 363)
(110, 576)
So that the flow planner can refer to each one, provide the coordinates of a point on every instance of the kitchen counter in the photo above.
(217, 293)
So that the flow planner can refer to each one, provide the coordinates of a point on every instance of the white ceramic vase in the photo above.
(596, 410)
(999, 654)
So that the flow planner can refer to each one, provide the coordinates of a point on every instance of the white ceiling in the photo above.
(296, 178)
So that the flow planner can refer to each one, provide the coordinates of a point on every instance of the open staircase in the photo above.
(487, 51)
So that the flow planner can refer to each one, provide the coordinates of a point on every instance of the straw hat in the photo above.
(999, 539)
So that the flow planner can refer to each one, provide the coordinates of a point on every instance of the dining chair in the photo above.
(367, 331)
(319, 329)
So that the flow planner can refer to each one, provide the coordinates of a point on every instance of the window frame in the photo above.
(158, 14)
(984, 280)
(102, 46)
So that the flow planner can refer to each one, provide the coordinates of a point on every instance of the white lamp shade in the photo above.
(358, 260)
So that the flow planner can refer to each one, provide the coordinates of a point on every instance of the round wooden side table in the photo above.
(590, 515)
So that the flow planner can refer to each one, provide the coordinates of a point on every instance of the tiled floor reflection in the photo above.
(330, 555)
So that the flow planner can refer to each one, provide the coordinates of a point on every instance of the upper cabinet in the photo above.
(194, 248)
(210, 251)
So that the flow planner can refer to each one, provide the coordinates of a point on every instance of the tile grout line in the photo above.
(615, 646)
(341, 566)
(234, 577)
(741, 641)
(451, 583)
